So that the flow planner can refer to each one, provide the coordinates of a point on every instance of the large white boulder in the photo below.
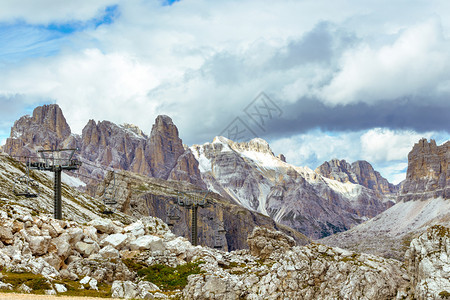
(62, 245)
(60, 288)
(117, 240)
(39, 244)
(103, 225)
(136, 229)
(147, 242)
(86, 249)
(109, 252)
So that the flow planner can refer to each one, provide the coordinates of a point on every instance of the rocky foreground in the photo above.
(144, 260)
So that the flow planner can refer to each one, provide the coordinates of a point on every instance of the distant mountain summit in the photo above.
(428, 174)
(359, 172)
(104, 143)
(423, 201)
(250, 174)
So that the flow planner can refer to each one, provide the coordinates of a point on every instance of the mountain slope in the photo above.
(251, 175)
(424, 202)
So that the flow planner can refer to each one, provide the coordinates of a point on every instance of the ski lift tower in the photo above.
(56, 164)
(193, 200)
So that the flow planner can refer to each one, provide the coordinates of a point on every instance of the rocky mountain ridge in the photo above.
(248, 174)
(220, 224)
(359, 172)
(423, 202)
(251, 175)
(428, 174)
(106, 144)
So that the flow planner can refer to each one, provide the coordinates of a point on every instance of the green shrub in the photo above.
(444, 295)
(168, 278)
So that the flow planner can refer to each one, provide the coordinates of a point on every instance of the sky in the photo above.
(347, 79)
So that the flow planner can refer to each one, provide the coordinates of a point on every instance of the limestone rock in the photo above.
(86, 249)
(46, 128)
(109, 252)
(359, 172)
(186, 169)
(23, 288)
(262, 242)
(129, 290)
(117, 240)
(39, 244)
(147, 242)
(428, 263)
(427, 175)
(310, 272)
(60, 288)
(103, 225)
(165, 147)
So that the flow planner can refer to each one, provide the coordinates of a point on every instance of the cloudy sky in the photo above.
(317, 79)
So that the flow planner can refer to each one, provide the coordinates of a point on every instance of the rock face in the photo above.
(428, 174)
(46, 128)
(165, 147)
(250, 174)
(311, 272)
(428, 264)
(221, 224)
(423, 202)
(106, 144)
(360, 172)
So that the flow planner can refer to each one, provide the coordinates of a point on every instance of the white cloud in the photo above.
(416, 62)
(108, 86)
(381, 144)
(387, 150)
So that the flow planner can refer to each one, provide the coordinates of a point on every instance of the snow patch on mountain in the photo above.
(349, 190)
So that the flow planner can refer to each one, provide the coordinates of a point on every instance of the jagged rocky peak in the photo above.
(372, 179)
(165, 147)
(336, 169)
(52, 118)
(45, 129)
(359, 172)
(427, 175)
(135, 129)
(254, 145)
(281, 157)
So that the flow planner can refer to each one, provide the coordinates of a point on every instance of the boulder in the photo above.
(39, 244)
(117, 240)
(428, 263)
(262, 242)
(62, 245)
(136, 229)
(103, 225)
(60, 288)
(6, 235)
(147, 242)
(86, 249)
(109, 252)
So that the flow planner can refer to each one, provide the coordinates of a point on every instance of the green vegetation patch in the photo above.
(35, 281)
(74, 289)
(168, 278)
(39, 284)
(444, 295)
(165, 277)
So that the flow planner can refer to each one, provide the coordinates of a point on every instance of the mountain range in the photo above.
(334, 198)
(394, 239)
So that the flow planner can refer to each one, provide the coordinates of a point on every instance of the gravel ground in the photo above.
(5, 296)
